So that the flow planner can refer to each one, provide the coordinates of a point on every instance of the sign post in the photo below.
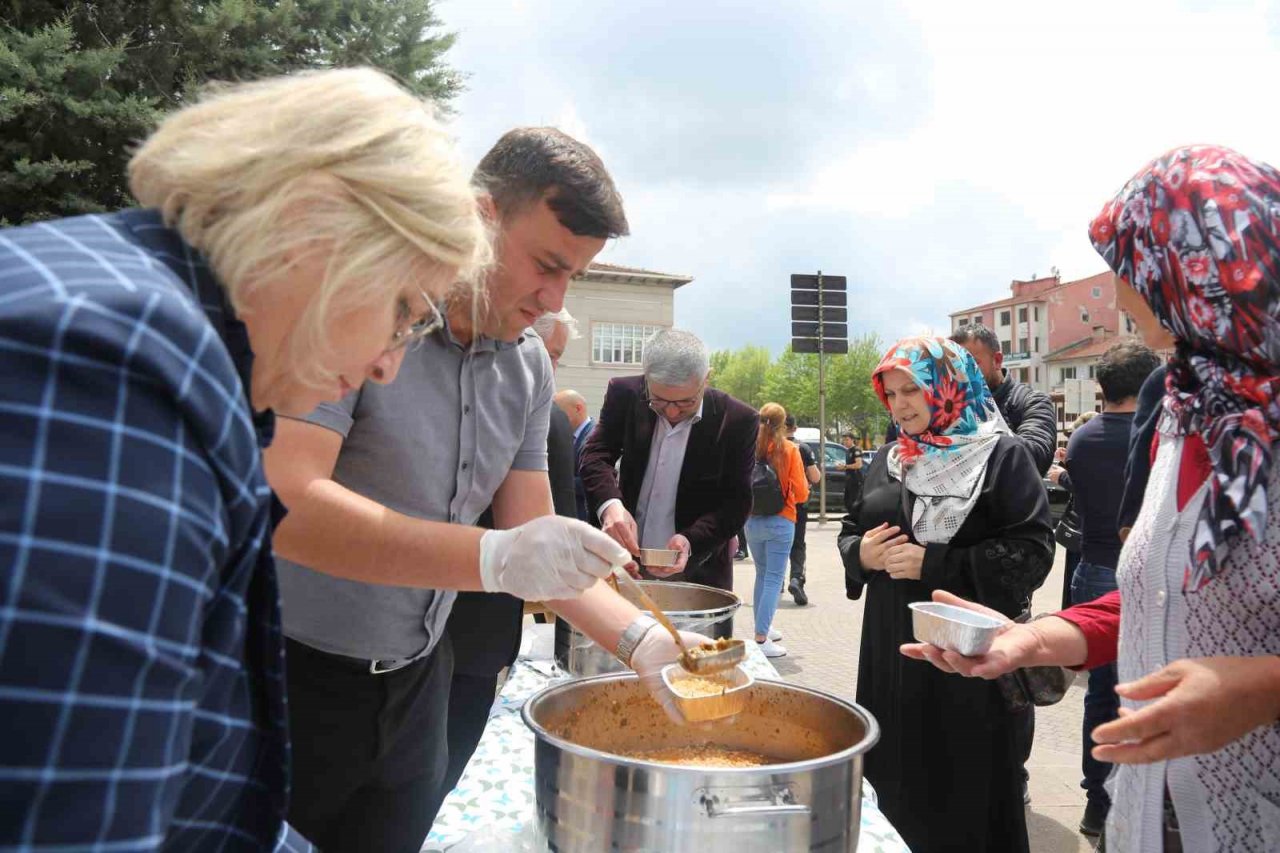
(819, 324)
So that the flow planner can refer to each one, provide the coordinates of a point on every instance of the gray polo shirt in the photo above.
(435, 444)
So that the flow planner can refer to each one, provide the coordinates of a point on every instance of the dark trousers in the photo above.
(1101, 705)
(1024, 734)
(1069, 565)
(369, 751)
(470, 700)
(798, 551)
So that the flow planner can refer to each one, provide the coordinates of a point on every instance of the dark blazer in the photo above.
(580, 493)
(485, 627)
(713, 498)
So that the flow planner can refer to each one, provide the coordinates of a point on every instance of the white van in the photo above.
(807, 434)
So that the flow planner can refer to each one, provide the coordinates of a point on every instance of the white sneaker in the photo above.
(772, 649)
(775, 635)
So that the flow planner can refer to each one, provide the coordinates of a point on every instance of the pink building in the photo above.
(1052, 333)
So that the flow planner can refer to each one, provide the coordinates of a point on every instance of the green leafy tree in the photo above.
(81, 82)
(741, 373)
(792, 381)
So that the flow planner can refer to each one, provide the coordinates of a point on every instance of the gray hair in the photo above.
(545, 325)
(674, 357)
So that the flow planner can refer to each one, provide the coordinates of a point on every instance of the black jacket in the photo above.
(485, 627)
(1031, 416)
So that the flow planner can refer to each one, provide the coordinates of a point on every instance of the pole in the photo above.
(822, 412)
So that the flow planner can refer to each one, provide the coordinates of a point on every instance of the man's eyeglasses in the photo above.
(661, 404)
(416, 332)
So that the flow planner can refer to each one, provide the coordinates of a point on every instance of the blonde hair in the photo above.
(343, 162)
(771, 440)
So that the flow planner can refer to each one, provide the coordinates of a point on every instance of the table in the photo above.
(493, 808)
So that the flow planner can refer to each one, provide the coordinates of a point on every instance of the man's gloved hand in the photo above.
(655, 651)
(547, 558)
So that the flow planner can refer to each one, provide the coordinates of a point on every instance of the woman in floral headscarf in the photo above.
(947, 767)
(1195, 240)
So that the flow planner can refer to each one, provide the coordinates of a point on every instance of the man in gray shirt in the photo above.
(462, 428)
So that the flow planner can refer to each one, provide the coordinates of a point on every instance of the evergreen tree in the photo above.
(81, 82)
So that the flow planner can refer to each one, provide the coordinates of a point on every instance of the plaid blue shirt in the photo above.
(142, 697)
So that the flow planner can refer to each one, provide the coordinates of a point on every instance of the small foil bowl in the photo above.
(953, 628)
(700, 709)
(659, 557)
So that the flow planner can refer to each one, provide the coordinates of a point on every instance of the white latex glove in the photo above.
(547, 558)
(654, 651)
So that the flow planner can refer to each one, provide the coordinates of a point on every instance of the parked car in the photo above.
(834, 456)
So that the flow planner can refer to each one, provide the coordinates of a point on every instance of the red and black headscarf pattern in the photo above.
(1197, 233)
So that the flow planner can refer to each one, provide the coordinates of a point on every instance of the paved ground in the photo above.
(822, 644)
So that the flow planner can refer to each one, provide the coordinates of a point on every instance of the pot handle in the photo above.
(731, 802)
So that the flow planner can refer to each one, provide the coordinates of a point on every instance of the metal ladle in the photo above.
(702, 663)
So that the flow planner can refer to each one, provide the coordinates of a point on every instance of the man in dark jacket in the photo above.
(1028, 412)
(686, 451)
(1031, 417)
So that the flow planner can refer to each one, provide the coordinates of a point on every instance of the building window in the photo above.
(1005, 317)
(1022, 315)
(1037, 313)
(1004, 347)
(1068, 373)
(977, 319)
(1084, 315)
(620, 343)
(1097, 292)
(1023, 345)
(1093, 371)
(1037, 346)
(1037, 375)
(964, 321)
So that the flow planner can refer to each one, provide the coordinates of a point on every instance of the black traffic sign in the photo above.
(810, 282)
(811, 345)
(810, 313)
(810, 297)
(829, 330)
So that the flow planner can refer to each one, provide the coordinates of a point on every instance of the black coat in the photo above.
(713, 498)
(485, 627)
(1032, 417)
(947, 765)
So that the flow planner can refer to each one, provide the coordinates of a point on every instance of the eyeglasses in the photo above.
(660, 404)
(416, 332)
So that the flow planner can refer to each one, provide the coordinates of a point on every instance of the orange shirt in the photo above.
(795, 485)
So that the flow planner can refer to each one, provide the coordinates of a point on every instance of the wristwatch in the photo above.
(632, 636)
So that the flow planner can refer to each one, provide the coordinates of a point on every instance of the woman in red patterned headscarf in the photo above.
(1196, 234)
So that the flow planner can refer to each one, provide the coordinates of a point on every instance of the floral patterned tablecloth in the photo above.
(493, 806)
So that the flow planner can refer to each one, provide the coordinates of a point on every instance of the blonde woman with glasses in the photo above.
(293, 238)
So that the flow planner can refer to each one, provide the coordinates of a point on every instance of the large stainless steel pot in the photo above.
(691, 607)
(590, 798)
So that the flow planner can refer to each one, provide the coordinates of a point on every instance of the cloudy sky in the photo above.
(930, 151)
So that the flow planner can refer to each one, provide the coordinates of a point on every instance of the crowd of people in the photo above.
(283, 459)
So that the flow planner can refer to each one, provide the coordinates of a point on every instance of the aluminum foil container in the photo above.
(953, 628)
(699, 709)
(660, 557)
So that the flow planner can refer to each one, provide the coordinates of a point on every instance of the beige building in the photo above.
(617, 309)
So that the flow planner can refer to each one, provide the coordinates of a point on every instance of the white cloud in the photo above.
(973, 150)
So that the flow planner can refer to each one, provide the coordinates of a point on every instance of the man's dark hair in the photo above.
(530, 163)
(790, 422)
(979, 333)
(1123, 368)
(849, 436)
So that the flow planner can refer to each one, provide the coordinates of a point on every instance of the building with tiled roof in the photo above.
(1052, 333)
(617, 309)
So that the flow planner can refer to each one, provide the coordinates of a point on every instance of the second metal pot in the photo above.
(690, 606)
